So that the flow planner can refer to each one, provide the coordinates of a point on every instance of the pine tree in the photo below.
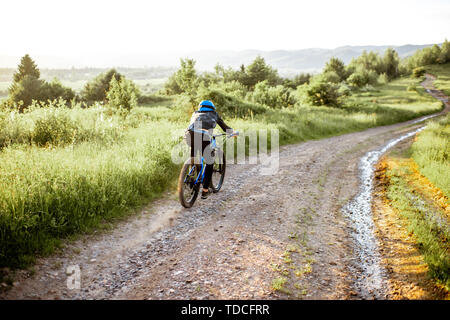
(27, 67)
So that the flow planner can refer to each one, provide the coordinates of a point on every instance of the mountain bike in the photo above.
(192, 174)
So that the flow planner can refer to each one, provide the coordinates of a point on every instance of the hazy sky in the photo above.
(73, 27)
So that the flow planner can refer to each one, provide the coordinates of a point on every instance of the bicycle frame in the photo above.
(201, 174)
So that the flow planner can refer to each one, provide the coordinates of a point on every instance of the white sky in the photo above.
(73, 27)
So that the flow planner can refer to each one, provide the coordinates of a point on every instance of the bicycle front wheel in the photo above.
(218, 174)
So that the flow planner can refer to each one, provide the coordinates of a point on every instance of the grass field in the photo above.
(66, 171)
(443, 76)
(431, 152)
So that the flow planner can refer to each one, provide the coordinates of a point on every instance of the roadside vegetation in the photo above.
(431, 152)
(425, 210)
(71, 161)
(418, 188)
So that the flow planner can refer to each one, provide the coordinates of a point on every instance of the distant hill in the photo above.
(287, 62)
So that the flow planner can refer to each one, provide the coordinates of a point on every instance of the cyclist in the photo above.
(198, 136)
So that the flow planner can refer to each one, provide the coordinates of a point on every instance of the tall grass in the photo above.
(46, 194)
(443, 76)
(431, 152)
(431, 236)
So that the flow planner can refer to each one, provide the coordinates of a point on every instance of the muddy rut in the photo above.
(259, 233)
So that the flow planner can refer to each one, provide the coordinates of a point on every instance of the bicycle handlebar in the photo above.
(228, 135)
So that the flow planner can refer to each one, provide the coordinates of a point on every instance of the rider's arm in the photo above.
(222, 124)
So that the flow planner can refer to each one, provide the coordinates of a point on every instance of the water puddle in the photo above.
(371, 283)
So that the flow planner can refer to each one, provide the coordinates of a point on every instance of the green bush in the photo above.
(228, 104)
(273, 97)
(337, 67)
(298, 80)
(53, 127)
(122, 94)
(383, 79)
(320, 93)
(418, 72)
(362, 77)
(233, 87)
(55, 90)
(411, 87)
(330, 76)
(96, 89)
(151, 99)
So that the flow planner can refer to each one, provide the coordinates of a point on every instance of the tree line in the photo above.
(241, 90)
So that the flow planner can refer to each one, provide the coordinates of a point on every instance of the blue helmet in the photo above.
(206, 105)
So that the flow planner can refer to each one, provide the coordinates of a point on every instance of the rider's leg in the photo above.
(209, 164)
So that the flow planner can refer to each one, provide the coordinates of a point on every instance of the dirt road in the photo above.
(262, 237)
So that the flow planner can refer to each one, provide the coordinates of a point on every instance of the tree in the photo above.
(184, 80)
(27, 67)
(390, 63)
(367, 60)
(122, 94)
(27, 86)
(259, 71)
(25, 91)
(187, 76)
(96, 89)
(444, 56)
(362, 77)
(336, 65)
(54, 90)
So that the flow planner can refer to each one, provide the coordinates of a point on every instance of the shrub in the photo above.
(96, 89)
(320, 93)
(55, 90)
(411, 88)
(274, 97)
(383, 78)
(53, 127)
(151, 98)
(298, 80)
(233, 87)
(337, 67)
(418, 72)
(228, 104)
(362, 77)
(122, 94)
(330, 76)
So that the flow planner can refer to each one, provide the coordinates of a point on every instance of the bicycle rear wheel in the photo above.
(218, 174)
(187, 188)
